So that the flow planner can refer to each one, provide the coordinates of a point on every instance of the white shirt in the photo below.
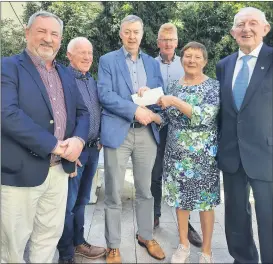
(251, 63)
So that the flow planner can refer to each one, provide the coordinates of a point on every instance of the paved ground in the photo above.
(166, 234)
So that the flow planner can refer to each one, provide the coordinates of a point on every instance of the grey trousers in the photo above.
(141, 146)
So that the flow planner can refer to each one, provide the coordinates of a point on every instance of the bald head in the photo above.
(80, 54)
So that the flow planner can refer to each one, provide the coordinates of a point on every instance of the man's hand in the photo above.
(143, 116)
(60, 148)
(75, 173)
(141, 90)
(99, 147)
(73, 150)
(165, 101)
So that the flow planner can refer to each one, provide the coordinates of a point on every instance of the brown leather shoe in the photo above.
(89, 251)
(113, 255)
(153, 248)
(194, 237)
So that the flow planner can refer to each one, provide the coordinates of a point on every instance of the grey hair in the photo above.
(245, 10)
(131, 19)
(44, 14)
(72, 43)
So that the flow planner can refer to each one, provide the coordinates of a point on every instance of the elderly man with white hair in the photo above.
(245, 146)
(80, 55)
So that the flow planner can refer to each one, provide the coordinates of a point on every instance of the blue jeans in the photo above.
(78, 197)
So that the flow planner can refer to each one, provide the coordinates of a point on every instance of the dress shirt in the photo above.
(88, 89)
(251, 63)
(170, 71)
(136, 69)
(55, 92)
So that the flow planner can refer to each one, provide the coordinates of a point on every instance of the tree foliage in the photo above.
(205, 22)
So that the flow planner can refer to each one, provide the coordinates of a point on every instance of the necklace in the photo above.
(192, 81)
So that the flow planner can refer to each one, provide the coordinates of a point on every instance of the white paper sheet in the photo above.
(149, 97)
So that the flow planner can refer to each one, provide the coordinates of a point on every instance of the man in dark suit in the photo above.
(245, 147)
(44, 128)
(126, 131)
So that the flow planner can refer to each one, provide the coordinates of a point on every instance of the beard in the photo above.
(46, 53)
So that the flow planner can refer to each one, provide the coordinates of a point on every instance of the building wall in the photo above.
(7, 12)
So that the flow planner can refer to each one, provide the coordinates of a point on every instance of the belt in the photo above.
(136, 125)
(55, 163)
(92, 143)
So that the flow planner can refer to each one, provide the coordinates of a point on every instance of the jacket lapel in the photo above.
(27, 63)
(261, 67)
(124, 69)
(229, 74)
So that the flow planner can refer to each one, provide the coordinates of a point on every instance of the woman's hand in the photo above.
(165, 101)
(141, 90)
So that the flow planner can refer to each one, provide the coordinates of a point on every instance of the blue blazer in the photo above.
(246, 135)
(115, 89)
(27, 121)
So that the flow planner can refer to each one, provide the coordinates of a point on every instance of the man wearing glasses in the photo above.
(171, 69)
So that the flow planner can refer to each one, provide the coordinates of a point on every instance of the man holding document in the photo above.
(127, 131)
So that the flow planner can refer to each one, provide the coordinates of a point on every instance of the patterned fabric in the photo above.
(55, 92)
(191, 176)
(136, 69)
(88, 90)
(170, 72)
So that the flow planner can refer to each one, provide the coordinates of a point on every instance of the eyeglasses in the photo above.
(167, 40)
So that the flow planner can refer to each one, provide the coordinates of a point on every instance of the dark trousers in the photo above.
(238, 224)
(78, 197)
(156, 186)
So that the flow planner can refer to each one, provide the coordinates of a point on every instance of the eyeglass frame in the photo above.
(166, 40)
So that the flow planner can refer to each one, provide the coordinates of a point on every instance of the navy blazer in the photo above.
(27, 121)
(246, 135)
(115, 90)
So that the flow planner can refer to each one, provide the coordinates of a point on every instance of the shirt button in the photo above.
(50, 85)
(57, 112)
(51, 121)
(54, 98)
(58, 128)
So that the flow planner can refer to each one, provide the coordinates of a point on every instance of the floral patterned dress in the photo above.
(191, 176)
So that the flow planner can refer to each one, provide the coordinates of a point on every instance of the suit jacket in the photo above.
(27, 121)
(246, 135)
(115, 89)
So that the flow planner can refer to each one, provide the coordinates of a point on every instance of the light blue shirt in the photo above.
(136, 69)
(170, 72)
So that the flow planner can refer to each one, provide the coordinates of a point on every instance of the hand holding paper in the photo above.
(149, 97)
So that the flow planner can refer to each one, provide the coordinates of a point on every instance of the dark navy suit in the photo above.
(245, 157)
(27, 121)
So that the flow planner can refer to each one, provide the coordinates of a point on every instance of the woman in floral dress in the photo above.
(191, 176)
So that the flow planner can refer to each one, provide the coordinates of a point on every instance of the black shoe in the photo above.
(67, 261)
(194, 237)
(156, 222)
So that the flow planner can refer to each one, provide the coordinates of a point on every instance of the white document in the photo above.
(149, 97)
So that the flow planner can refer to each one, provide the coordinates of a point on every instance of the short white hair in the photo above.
(247, 10)
(71, 45)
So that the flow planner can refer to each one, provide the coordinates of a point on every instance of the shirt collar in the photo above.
(163, 61)
(37, 60)
(128, 54)
(79, 75)
(254, 53)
